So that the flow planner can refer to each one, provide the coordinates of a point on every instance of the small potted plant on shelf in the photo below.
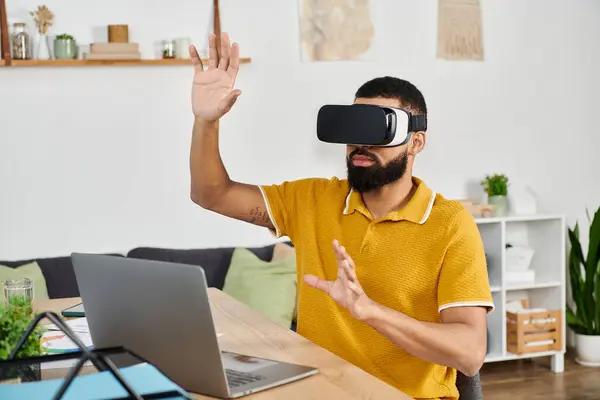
(584, 270)
(496, 187)
(65, 47)
(15, 318)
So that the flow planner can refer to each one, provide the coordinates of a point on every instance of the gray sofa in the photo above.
(61, 283)
(60, 276)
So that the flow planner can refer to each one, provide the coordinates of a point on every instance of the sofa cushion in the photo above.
(268, 287)
(282, 251)
(30, 270)
(214, 261)
(58, 273)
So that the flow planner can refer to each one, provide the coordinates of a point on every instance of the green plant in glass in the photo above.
(14, 321)
(584, 271)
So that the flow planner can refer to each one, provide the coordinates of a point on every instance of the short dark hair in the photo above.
(394, 88)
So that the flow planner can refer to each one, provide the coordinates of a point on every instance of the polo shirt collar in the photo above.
(417, 210)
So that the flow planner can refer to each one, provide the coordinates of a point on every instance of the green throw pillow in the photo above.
(266, 287)
(31, 271)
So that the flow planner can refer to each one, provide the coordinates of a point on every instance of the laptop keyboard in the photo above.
(237, 378)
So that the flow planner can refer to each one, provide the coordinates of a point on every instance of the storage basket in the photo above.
(534, 332)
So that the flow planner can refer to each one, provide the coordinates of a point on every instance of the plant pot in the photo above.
(500, 204)
(588, 350)
(65, 49)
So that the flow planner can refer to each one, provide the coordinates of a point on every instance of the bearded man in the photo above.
(392, 275)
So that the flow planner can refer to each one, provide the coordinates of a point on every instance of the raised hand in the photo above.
(212, 90)
(346, 291)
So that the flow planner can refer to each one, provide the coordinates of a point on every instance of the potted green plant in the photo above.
(496, 187)
(65, 47)
(584, 270)
(15, 318)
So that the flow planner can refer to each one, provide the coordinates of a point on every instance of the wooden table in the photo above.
(248, 332)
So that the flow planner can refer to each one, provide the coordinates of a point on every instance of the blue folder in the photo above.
(144, 379)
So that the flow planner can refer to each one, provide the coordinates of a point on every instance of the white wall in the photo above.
(96, 159)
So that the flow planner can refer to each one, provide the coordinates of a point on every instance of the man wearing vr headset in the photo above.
(392, 276)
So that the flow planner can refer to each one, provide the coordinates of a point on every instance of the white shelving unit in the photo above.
(546, 235)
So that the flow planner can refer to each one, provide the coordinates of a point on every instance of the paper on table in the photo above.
(80, 325)
(76, 325)
(57, 342)
(62, 364)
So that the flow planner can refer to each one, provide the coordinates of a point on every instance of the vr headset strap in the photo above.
(417, 123)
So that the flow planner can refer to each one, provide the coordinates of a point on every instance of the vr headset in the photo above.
(367, 125)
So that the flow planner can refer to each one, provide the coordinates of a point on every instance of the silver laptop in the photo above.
(161, 311)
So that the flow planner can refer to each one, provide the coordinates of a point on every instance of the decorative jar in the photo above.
(21, 42)
(169, 49)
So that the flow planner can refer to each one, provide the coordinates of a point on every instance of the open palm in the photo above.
(212, 89)
(346, 291)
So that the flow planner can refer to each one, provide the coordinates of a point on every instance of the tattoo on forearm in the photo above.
(258, 215)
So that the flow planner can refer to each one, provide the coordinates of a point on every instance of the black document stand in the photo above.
(100, 358)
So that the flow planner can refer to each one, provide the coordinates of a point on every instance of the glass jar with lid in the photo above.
(169, 49)
(21, 42)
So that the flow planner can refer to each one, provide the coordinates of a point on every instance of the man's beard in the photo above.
(365, 179)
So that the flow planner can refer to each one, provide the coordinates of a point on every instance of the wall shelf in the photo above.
(546, 235)
(106, 63)
(5, 54)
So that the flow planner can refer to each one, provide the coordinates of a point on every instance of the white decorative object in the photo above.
(183, 48)
(520, 277)
(518, 258)
(517, 263)
(43, 50)
(514, 306)
(588, 350)
(43, 19)
(522, 200)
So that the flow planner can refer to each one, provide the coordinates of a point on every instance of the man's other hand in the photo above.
(346, 290)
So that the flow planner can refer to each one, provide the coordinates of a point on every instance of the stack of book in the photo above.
(114, 51)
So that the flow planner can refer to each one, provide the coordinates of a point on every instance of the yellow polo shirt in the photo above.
(419, 260)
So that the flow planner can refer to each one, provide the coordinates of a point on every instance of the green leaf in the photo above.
(585, 286)
(594, 243)
(591, 271)
(575, 244)
(575, 263)
(574, 322)
(577, 281)
(587, 213)
(495, 185)
(589, 280)
(14, 321)
(576, 285)
(597, 327)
